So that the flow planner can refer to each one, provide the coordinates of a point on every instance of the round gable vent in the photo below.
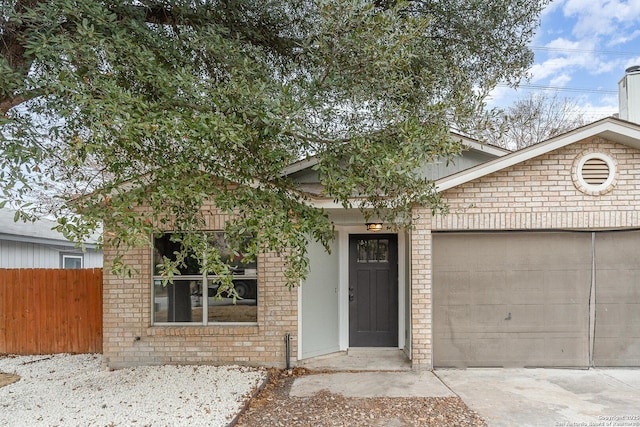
(595, 173)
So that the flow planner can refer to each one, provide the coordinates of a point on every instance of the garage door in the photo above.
(511, 299)
(617, 317)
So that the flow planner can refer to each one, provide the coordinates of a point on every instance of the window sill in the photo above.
(218, 329)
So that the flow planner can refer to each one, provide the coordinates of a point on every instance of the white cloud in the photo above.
(632, 62)
(602, 17)
(573, 51)
(561, 80)
(567, 64)
(551, 7)
(619, 39)
(498, 95)
(593, 112)
(563, 59)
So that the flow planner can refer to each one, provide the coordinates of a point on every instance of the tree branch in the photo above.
(8, 103)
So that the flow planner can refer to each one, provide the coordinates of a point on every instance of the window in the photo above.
(191, 297)
(71, 260)
(373, 250)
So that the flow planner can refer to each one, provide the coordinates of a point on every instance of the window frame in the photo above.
(205, 279)
(70, 255)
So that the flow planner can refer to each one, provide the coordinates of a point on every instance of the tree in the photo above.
(535, 118)
(168, 103)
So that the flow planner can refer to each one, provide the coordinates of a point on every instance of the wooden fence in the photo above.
(45, 311)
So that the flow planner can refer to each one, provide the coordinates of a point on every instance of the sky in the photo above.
(582, 49)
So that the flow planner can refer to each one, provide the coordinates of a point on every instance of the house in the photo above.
(536, 264)
(37, 245)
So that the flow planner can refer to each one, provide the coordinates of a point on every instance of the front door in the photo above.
(373, 290)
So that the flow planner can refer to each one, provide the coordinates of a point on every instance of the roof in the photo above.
(40, 231)
(610, 128)
(470, 143)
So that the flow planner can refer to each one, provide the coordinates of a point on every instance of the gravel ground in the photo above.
(73, 390)
(274, 407)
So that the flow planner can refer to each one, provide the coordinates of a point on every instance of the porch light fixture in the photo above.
(374, 226)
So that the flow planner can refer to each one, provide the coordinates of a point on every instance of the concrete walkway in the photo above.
(504, 397)
(372, 384)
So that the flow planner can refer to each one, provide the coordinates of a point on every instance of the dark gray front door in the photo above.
(373, 290)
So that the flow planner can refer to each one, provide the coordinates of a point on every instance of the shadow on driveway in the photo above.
(549, 397)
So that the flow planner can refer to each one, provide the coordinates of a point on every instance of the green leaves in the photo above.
(141, 116)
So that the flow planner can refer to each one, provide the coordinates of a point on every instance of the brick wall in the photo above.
(421, 290)
(130, 339)
(541, 193)
(538, 194)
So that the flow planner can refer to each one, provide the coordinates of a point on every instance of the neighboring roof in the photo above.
(467, 142)
(40, 231)
(610, 128)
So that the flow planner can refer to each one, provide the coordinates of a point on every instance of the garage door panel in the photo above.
(467, 347)
(566, 350)
(617, 322)
(529, 299)
(612, 351)
(496, 350)
(525, 286)
(456, 352)
(616, 286)
(618, 249)
(567, 317)
(572, 285)
(612, 316)
(488, 287)
(458, 290)
(552, 250)
(488, 318)
(452, 318)
(489, 350)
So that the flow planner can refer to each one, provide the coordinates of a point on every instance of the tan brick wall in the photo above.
(539, 194)
(130, 339)
(421, 290)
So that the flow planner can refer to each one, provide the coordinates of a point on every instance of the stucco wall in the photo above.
(130, 339)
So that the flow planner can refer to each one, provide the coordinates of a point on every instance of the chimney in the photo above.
(629, 95)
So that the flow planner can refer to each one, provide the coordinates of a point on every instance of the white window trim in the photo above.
(65, 256)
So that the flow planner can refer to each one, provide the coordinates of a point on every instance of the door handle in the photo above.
(351, 295)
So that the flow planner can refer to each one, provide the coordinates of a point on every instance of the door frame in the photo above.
(344, 233)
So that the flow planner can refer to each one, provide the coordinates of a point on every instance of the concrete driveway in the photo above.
(549, 397)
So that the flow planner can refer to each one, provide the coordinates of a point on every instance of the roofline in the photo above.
(300, 165)
(482, 146)
(611, 128)
(466, 141)
(43, 241)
